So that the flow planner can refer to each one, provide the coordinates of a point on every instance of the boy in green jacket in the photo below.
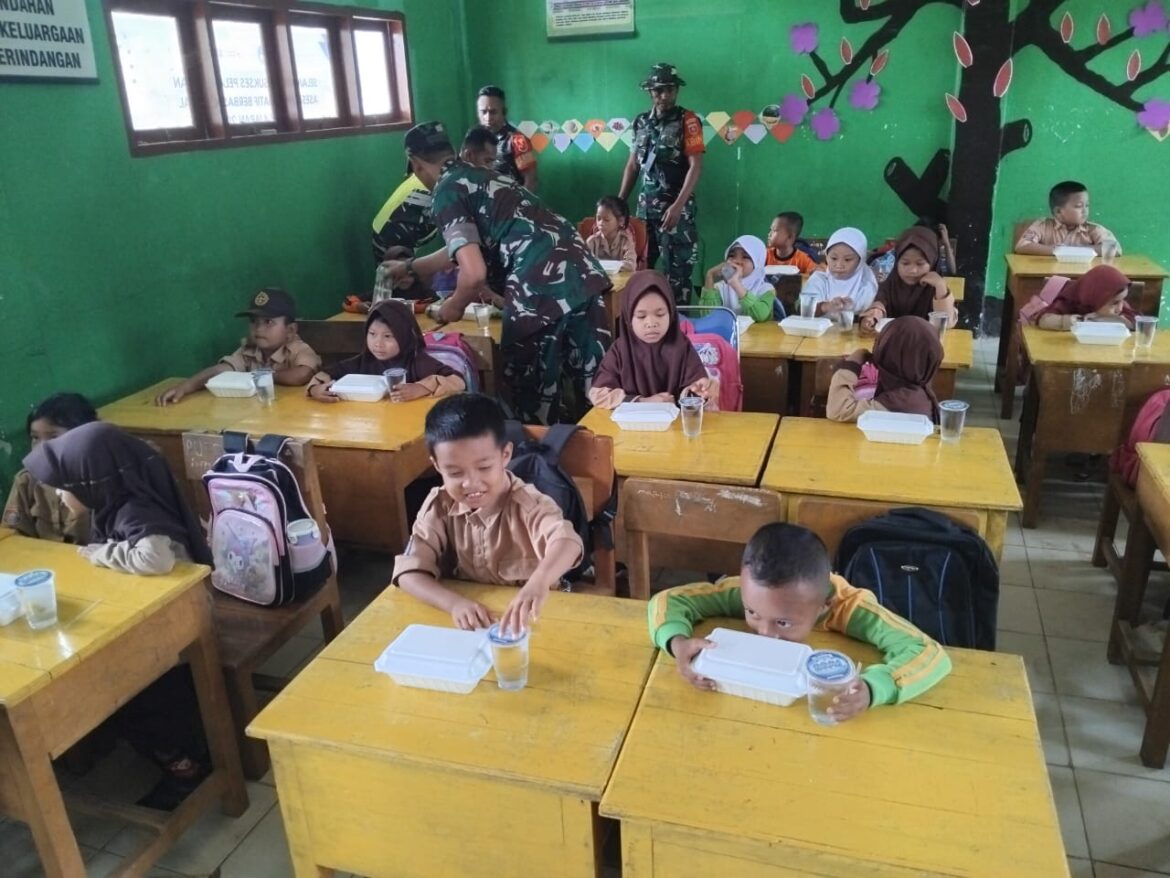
(785, 590)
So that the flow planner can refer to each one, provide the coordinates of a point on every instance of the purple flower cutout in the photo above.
(793, 109)
(863, 95)
(803, 38)
(825, 123)
(1156, 115)
(1148, 19)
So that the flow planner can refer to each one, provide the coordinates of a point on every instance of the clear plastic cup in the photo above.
(808, 305)
(692, 415)
(1146, 328)
(38, 598)
(265, 385)
(938, 319)
(845, 318)
(830, 673)
(1108, 251)
(483, 317)
(395, 378)
(509, 657)
(952, 413)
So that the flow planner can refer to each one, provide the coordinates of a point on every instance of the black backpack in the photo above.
(923, 566)
(538, 462)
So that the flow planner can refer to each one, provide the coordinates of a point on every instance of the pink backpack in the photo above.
(451, 350)
(1124, 460)
(1031, 311)
(721, 362)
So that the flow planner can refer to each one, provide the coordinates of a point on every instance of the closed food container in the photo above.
(443, 659)
(611, 266)
(653, 417)
(10, 608)
(360, 388)
(895, 427)
(232, 384)
(780, 270)
(1100, 333)
(1081, 255)
(811, 327)
(755, 667)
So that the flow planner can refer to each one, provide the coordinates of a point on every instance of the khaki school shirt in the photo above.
(34, 510)
(500, 546)
(248, 358)
(1051, 233)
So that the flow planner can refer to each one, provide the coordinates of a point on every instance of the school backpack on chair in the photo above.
(538, 462)
(1149, 426)
(451, 350)
(721, 361)
(928, 569)
(254, 497)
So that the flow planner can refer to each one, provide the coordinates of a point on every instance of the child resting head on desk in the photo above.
(272, 343)
(483, 524)
(1098, 294)
(907, 356)
(785, 590)
(393, 340)
(141, 523)
(914, 287)
(652, 360)
(34, 509)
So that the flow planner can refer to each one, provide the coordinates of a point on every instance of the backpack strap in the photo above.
(235, 442)
(605, 519)
(514, 433)
(270, 445)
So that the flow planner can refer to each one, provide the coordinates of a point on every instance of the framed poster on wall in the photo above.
(581, 18)
(45, 39)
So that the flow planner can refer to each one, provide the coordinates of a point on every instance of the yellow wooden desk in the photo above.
(830, 478)
(367, 453)
(116, 633)
(383, 780)
(764, 354)
(731, 449)
(953, 783)
(6, 532)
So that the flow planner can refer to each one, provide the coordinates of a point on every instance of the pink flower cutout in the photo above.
(803, 38)
(1148, 19)
(825, 123)
(863, 95)
(1156, 115)
(793, 109)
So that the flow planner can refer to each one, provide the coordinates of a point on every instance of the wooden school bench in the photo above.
(367, 453)
(116, 633)
(376, 778)
(952, 783)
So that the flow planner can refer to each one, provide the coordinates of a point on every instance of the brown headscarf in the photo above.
(412, 348)
(669, 365)
(123, 481)
(1091, 292)
(899, 297)
(907, 354)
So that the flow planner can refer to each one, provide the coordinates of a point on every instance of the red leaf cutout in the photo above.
(962, 50)
(846, 50)
(1134, 66)
(1104, 31)
(956, 107)
(879, 62)
(743, 118)
(864, 4)
(1067, 27)
(806, 86)
(1003, 79)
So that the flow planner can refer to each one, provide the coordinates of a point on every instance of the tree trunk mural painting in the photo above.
(989, 39)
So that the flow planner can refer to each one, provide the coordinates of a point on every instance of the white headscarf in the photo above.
(861, 286)
(755, 283)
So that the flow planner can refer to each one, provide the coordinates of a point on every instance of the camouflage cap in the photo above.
(427, 137)
(270, 302)
(661, 74)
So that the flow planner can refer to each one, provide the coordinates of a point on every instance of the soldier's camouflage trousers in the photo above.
(678, 249)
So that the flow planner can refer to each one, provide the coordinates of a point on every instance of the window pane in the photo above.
(373, 71)
(243, 71)
(314, 72)
(151, 59)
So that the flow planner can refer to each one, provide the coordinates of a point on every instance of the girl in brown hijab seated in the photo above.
(1098, 294)
(652, 360)
(907, 355)
(393, 340)
(913, 287)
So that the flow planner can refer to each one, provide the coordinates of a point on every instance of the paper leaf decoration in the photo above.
(539, 141)
(709, 132)
(607, 140)
(956, 107)
(879, 62)
(1104, 31)
(1003, 79)
(743, 118)
(1155, 115)
(1067, 27)
(962, 49)
(806, 86)
(595, 126)
(627, 137)
(782, 131)
(846, 50)
(825, 123)
(619, 124)
(583, 141)
(561, 141)
(528, 128)
(1148, 19)
(1134, 66)
(718, 119)
(755, 132)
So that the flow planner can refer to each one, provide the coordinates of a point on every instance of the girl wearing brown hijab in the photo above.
(652, 360)
(907, 355)
(914, 287)
(1099, 294)
(393, 340)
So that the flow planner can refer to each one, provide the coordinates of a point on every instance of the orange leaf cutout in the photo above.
(1067, 27)
(1134, 66)
(962, 50)
(1003, 79)
(879, 62)
(846, 50)
(956, 107)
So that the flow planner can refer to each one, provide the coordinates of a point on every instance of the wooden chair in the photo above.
(249, 635)
(637, 226)
(1120, 498)
(333, 340)
(716, 519)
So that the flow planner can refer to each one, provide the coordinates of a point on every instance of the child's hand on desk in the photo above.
(868, 324)
(658, 397)
(701, 388)
(407, 392)
(172, 394)
(321, 392)
(449, 311)
(684, 650)
(525, 607)
(469, 615)
(851, 703)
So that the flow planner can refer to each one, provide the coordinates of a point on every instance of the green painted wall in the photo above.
(119, 271)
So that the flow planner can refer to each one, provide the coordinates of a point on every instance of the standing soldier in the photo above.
(514, 155)
(668, 152)
(554, 321)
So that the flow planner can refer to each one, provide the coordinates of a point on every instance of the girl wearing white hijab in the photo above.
(848, 279)
(739, 283)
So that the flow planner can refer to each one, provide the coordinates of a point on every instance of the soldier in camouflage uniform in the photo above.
(515, 157)
(554, 323)
(667, 154)
(404, 220)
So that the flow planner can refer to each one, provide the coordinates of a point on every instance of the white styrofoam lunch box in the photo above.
(10, 608)
(429, 657)
(882, 322)
(811, 327)
(611, 266)
(743, 323)
(655, 417)
(755, 667)
(1100, 333)
(895, 427)
(238, 384)
(1081, 255)
(780, 270)
(360, 388)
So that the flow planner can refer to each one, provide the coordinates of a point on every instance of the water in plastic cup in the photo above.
(808, 305)
(483, 317)
(38, 597)
(265, 386)
(395, 378)
(846, 320)
(1146, 327)
(692, 415)
(509, 657)
(951, 415)
(1108, 251)
(830, 673)
(938, 319)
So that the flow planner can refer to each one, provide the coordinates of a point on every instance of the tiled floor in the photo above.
(1054, 610)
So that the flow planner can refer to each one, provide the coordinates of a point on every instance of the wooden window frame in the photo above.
(210, 129)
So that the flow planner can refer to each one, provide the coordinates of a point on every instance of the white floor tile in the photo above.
(1106, 736)
(1079, 668)
(1031, 647)
(1066, 534)
(1017, 610)
(1068, 571)
(1127, 820)
(104, 864)
(1014, 534)
(1068, 809)
(263, 854)
(1013, 567)
(1076, 615)
(1051, 723)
